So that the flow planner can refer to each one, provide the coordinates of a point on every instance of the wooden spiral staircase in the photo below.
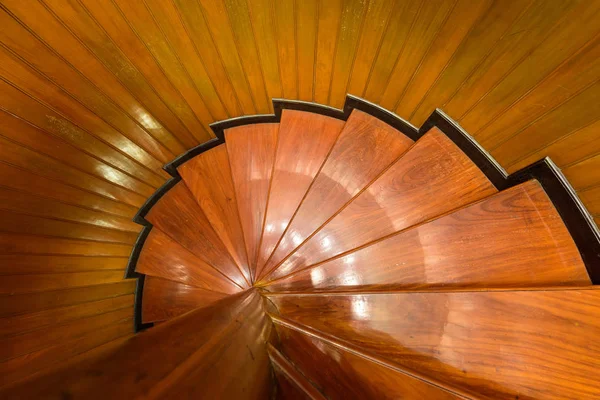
(344, 254)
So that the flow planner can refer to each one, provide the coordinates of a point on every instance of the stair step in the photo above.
(512, 239)
(208, 176)
(430, 179)
(165, 299)
(502, 344)
(163, 257)
(178, 215)
(365, 148)
(341, 373)
(305, 140)
(251, 150)
(291, 384)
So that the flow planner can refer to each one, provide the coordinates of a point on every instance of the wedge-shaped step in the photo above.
(164, 299)
(216, 352)
(163, 257)
(251, 151)
(291, 384)
(495, 344)
(514, 238)
(178, 215)
(365, 148)
(208, 176)
(305, 140)
(342, 374)
(432, 178)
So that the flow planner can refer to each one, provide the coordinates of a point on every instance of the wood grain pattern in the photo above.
(306, 35)
(208, 176)
(244, 326)
(11, 264)
(363, 150)
(12, 243)
(163, 257)
(291, 384)
(305, 141)
(342, 374)
(10, 326)
(329, 17)
(520, 239)
(178, 216)
(406, 194)
(470, 340)
(15, 284)
(165, 299)
(284, 19)
(12, 304)
(251, 152)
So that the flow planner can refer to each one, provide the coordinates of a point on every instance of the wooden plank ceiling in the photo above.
(96, 95)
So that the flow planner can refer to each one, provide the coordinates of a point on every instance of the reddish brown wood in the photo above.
(291, 384)
(432, 178)
(342, 374)
(164, 299)
(12, 243)
(46, 264)
(218, 351)
(162, 257)
(251, 151)
(44, 282)
(208, 176)
(178, 215)
(34, 302)
(364, 149)
(520, 240)
(305, 140)
(526, 344)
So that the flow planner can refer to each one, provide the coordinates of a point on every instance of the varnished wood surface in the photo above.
(162, 257)
(529, 344)
(208, 176)
(164, 299)
(520, 239)
(178, 215)
(251, 150)
(342, 374)
(49, 264)
(365, 148)
(432, 178)
(291, 383)
(305, 140)
(182, 349)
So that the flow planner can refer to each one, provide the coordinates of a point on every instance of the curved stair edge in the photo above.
(574, 214)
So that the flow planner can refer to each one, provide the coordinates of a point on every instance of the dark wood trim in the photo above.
(577, 219)
(138, 325)
(575, 216)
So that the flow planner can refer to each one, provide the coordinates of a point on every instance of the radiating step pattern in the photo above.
(328, 256)
(365, 148)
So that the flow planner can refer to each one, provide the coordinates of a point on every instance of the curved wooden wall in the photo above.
(96, 95)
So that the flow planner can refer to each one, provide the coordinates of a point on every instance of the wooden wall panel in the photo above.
(96, 96)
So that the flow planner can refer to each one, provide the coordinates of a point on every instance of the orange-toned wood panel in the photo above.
(10, 326)
(342, 374)
(43, 361)
(306, 34)
(12, 304)
(251, 150)
(11, 264)
(14, 284)
(26, 224)
(519, 237)
(285, 30)
(470, 340)
(165, 299)
(31, 341)
(291, 384)
(208, 176)
(189, 354)
(31, 184)
(365, 148)
(329, 16)
(432, 178)
(12, 243)
(163, 257)
(178, 215)
(305, 140)
(19, 202)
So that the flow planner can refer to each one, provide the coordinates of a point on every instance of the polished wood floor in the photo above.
(313, 258)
